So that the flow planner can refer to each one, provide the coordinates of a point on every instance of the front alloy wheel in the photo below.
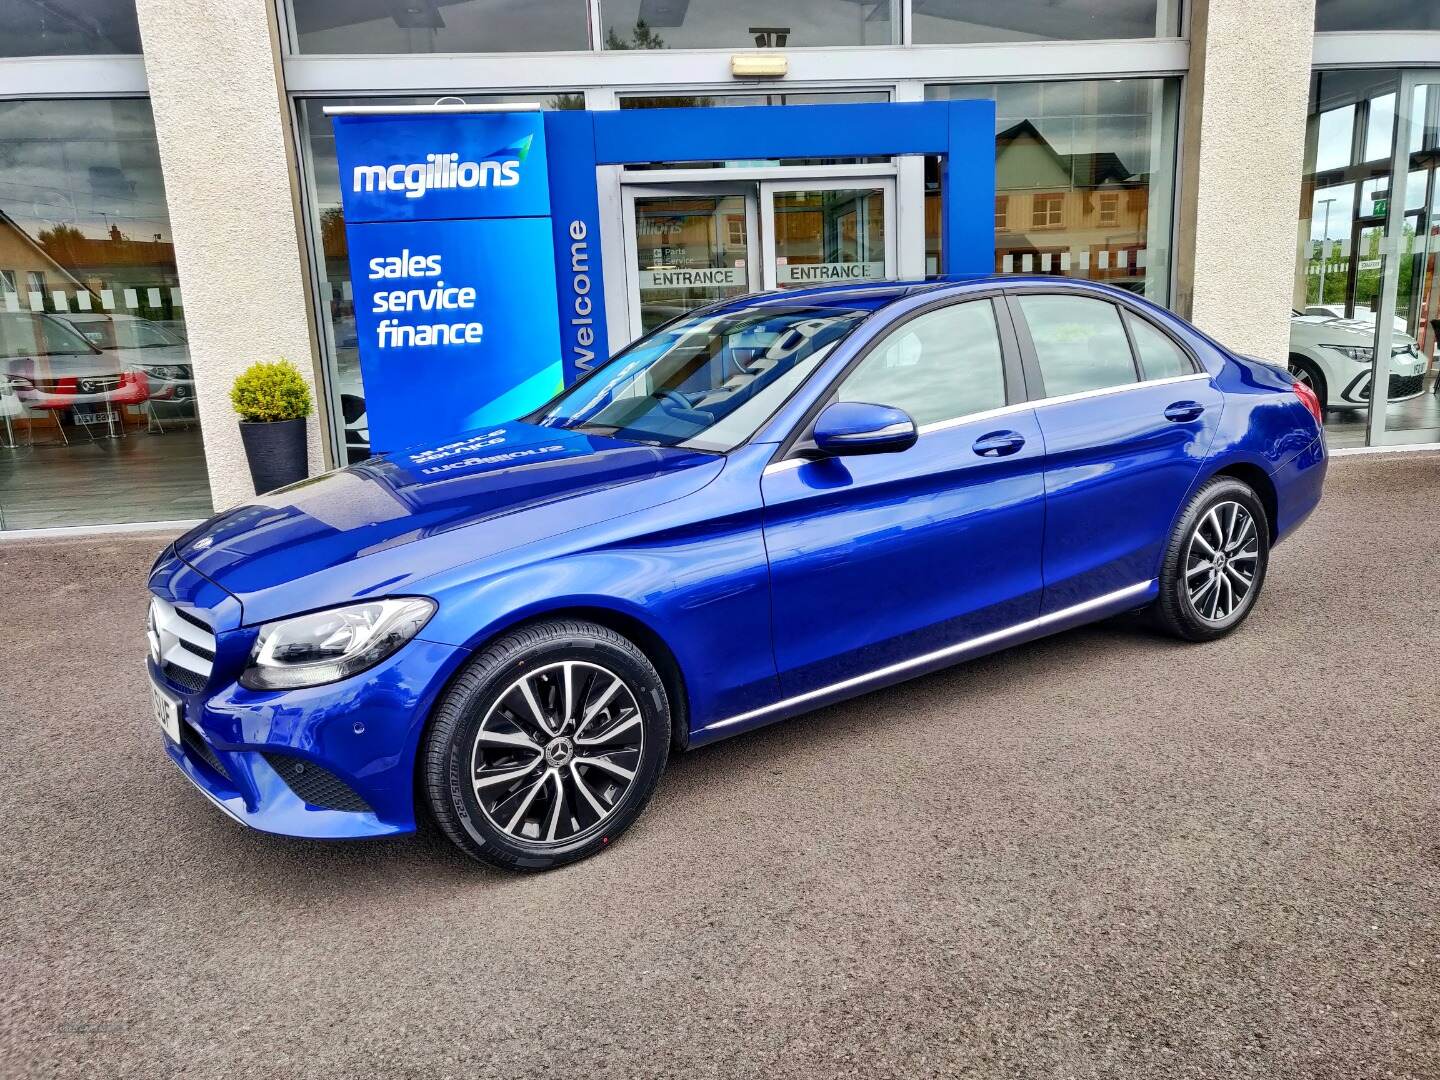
(557, 752)
(547, 746)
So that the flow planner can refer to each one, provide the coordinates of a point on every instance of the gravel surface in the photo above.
(1101, 855)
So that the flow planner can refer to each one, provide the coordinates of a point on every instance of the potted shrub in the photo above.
(273, 401)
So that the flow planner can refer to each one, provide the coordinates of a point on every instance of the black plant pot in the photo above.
(276, 453)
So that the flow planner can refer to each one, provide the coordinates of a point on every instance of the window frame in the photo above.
(1034, 377)
(1053, 204)
(1107, 208)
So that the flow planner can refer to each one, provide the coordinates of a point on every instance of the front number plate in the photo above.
(167, 713)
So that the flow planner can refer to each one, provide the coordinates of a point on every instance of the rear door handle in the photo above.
(1183, 411)
(999, 443)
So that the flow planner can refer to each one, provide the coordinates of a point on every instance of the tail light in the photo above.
(1309, 399)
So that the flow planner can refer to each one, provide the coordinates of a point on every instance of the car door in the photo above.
(880, 559)
(1127, 417)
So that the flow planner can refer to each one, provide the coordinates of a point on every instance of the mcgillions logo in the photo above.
(439, 172)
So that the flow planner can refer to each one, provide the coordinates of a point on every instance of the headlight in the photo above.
(326, 646)
(1362, 353)
(165, 371)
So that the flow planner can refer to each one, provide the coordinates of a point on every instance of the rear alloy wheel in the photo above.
(1215, 562)
(547, 746)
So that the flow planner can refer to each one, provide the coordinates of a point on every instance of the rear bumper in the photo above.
(1298, 485)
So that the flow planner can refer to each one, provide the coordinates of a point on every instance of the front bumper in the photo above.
(327, 762)
(1403, 387)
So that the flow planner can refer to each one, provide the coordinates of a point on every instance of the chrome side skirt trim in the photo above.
(973, 644)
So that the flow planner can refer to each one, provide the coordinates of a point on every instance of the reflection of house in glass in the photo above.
(26, 268)
(1076, 215)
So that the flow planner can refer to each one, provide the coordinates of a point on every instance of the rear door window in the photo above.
(1160, 357)
(1080, 343)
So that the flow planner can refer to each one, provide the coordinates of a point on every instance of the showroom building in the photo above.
(170, 207)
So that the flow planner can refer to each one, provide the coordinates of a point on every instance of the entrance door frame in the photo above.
(770, 188)
(755, 184)
(1390, 247)
(725, 188)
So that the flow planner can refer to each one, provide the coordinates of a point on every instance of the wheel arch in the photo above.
(624, 622)
(1259, 481)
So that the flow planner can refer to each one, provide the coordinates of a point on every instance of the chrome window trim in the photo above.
(969, 645)
(1017, 407)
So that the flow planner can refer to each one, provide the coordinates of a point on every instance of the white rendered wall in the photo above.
(1242, 157)
(233, 216)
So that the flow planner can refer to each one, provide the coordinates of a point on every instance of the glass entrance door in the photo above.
(827, 232)
(689, 246)
(1406, 302)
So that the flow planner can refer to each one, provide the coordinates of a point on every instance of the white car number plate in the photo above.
(167, 712)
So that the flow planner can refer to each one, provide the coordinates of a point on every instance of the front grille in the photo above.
(90, 384)
(183, 678)
(315, 784)
(195, 742)
(1405, 385)
(182, 643)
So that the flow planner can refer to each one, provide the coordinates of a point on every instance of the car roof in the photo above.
(95, 316)
(872, 296)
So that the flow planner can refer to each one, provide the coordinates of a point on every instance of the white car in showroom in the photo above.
(1333, 357)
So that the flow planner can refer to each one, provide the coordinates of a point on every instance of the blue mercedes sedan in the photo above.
(765, 506)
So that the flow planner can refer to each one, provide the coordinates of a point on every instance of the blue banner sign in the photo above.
(452, 267)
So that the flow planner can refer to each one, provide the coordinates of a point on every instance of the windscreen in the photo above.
(706, 381)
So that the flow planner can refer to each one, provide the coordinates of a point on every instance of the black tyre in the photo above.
(547, 746)
(1309, 373)
(1214, 565)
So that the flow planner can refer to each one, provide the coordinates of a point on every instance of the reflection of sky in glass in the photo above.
(455, 26)
(1112, 116)
(86, 164)
(1380, 128)
(1341, 212)
(1332, 147)
(710, 24)
(1075, 20)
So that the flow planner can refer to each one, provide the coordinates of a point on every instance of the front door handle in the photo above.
(1183, 412)
(999, 443)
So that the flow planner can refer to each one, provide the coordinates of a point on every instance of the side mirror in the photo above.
(857, 427)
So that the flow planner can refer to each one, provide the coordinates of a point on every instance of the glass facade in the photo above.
(966, 21)
(443, 26)
(1343, 265)
(1084, 180)
(1362, 15)
(746, 24)
(740, 100)
(97, 394)
(74, 28)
